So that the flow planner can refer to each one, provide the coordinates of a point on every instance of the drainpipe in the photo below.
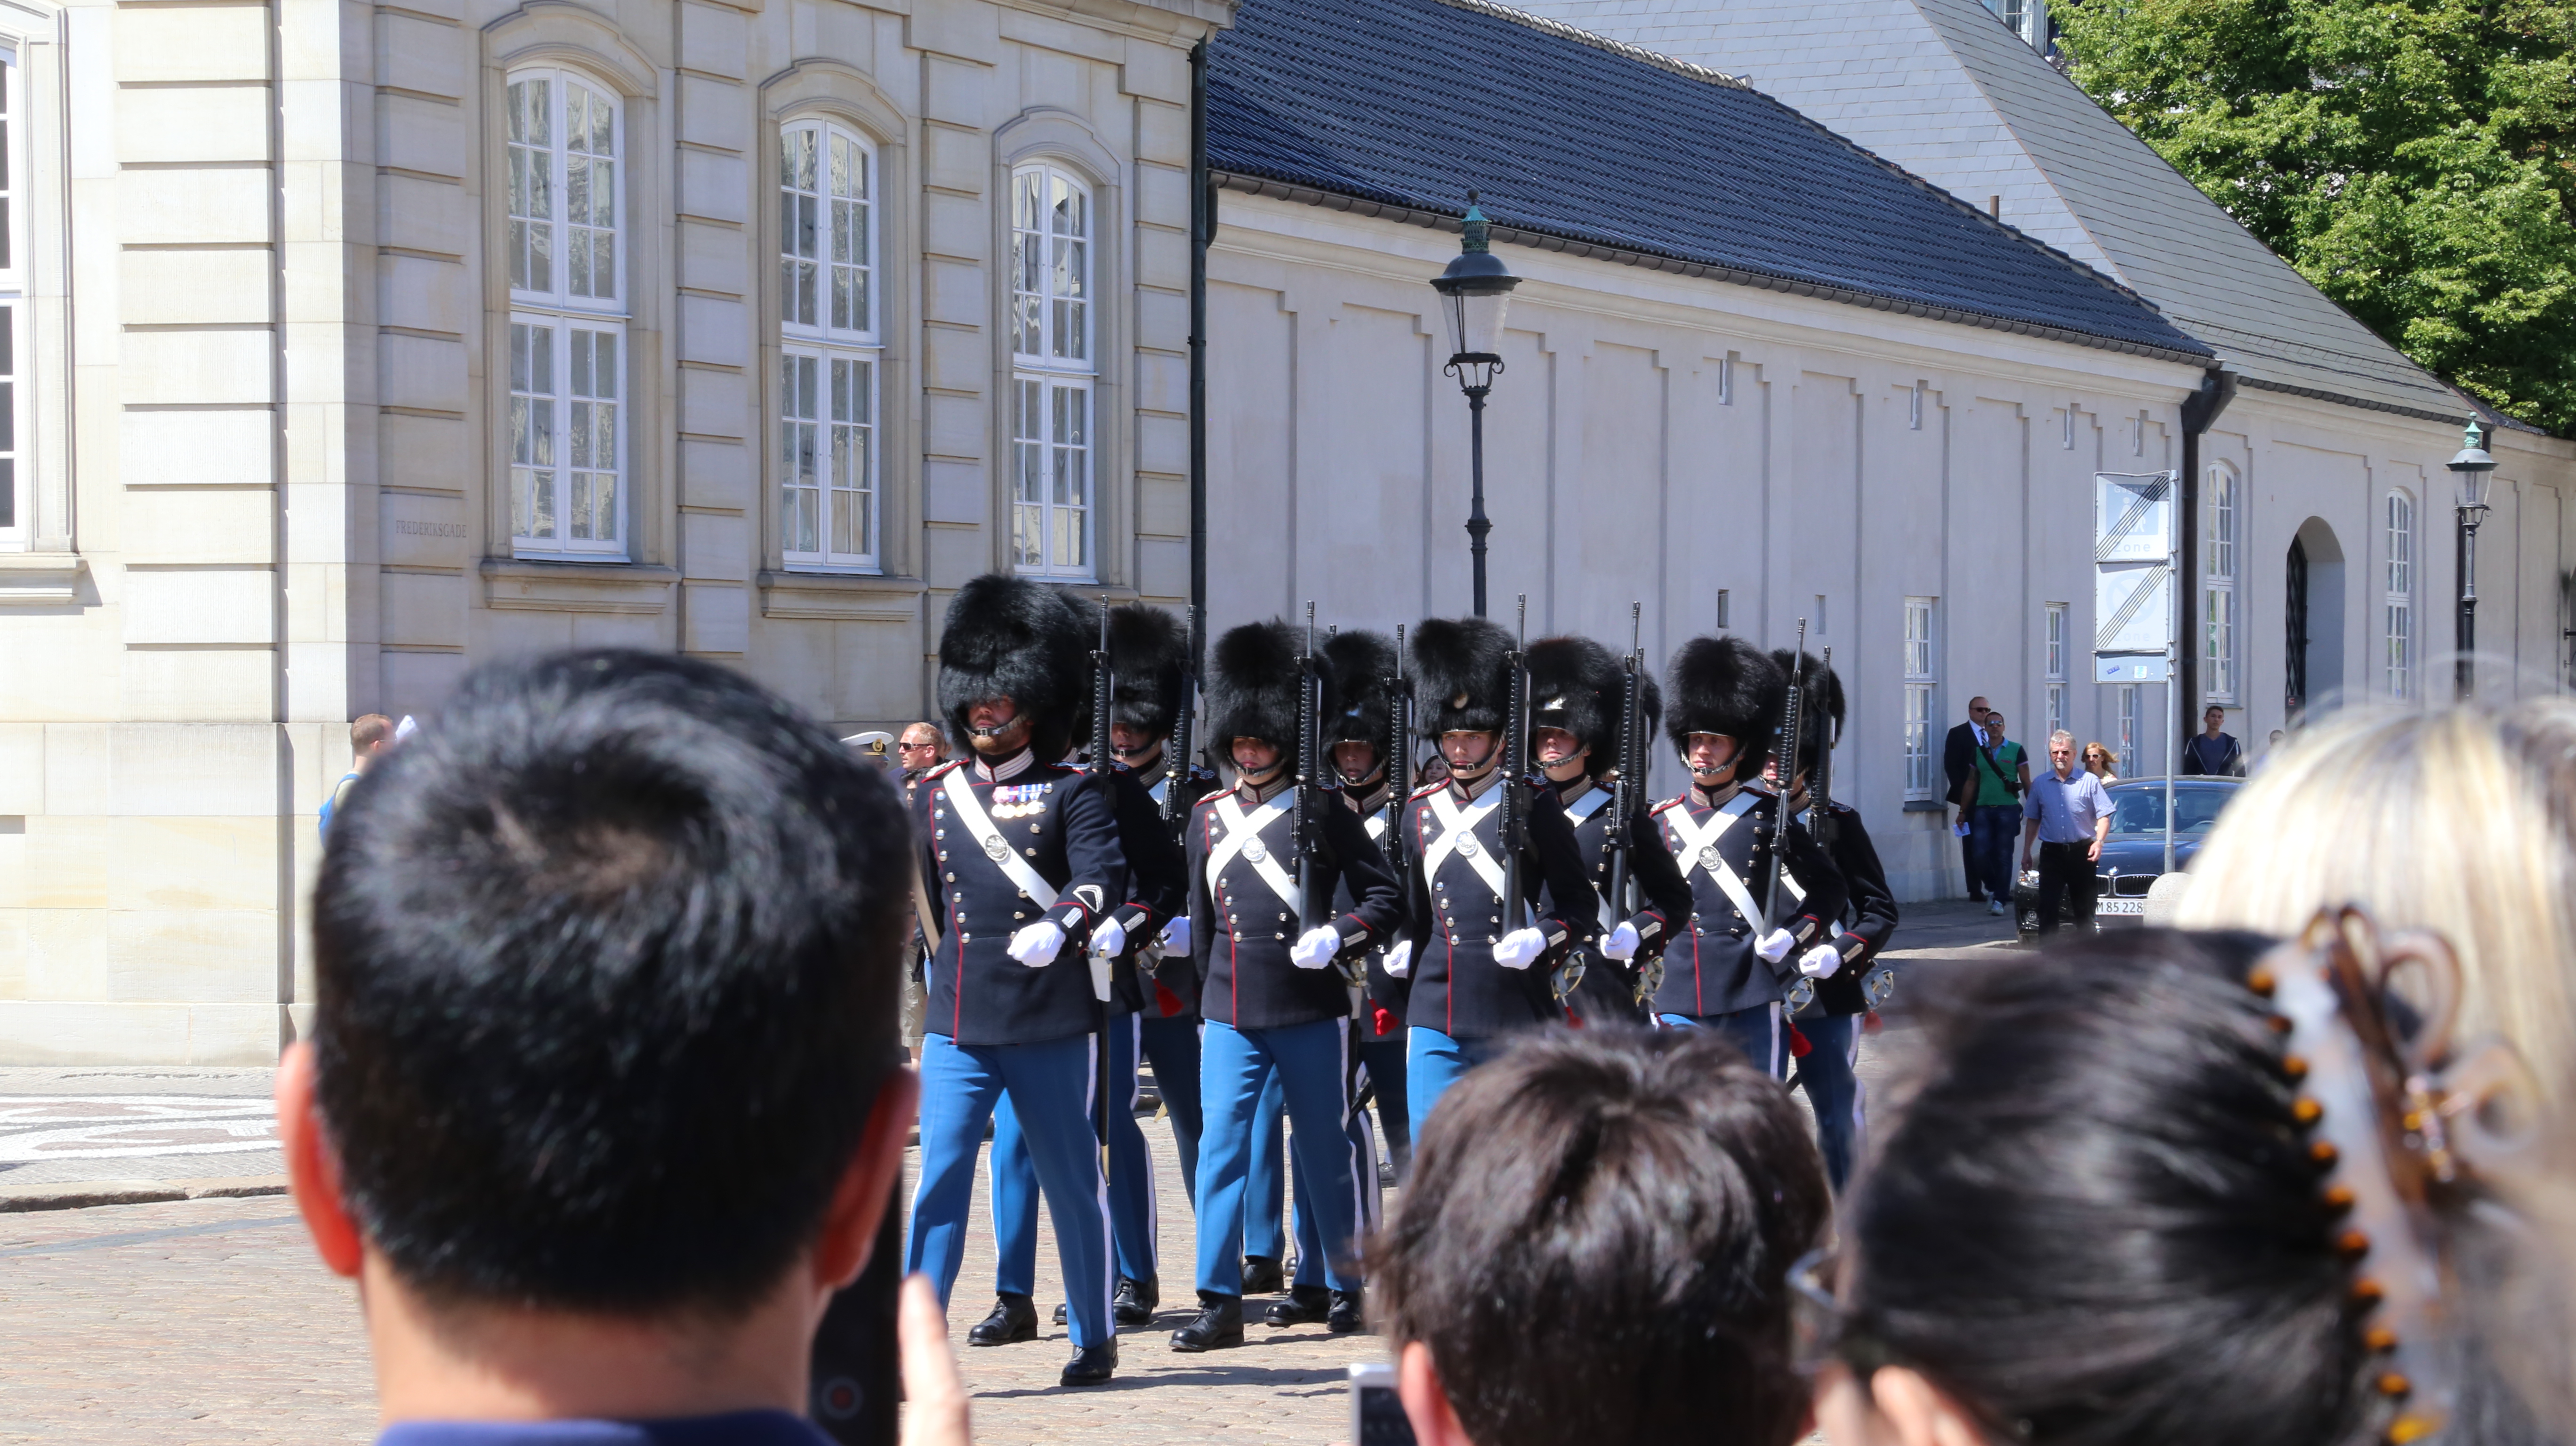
(2217, 389)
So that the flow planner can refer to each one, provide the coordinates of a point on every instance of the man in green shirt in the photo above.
(2001, 773)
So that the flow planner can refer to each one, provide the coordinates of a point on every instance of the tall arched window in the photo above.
(2400, 602)
(1052, 371)
(2220, 504)
(14, 507)
(828, 463)
(568, 314)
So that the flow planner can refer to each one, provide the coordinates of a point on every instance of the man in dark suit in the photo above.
(1959, 762)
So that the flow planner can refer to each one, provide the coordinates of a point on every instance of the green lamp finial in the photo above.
(1476, 232)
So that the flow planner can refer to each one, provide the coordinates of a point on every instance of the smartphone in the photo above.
(1377, 1412)
(856, 1376)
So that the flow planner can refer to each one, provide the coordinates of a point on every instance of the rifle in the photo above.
(1820, 802)
(1307, 824)
(1515, 770)
(1104, 767)
(1176, 749)
(1780, 820)
(1626, 790)
(1399, 771)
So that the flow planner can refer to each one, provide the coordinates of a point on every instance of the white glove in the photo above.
(1820, 962)
(1176, 935)
(1316, 947)
(1110, 939)
(1516, 949)
(1775, 946)
(1399, 960)
(1620, 943)
(1037, 945)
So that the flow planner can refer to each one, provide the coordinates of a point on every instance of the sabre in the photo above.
(1789, 720)
(1516, 765)
(1103, 767)
(1185, 727)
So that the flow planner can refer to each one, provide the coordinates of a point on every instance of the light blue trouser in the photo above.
(1172, 1047)
(1433, 1062)
(1314, 1074)
(1834, 1089)
(1132, 1222)
(1265, 1188)
(1050, 1086)
(1760, 1032)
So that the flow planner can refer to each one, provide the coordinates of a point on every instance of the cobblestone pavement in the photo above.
(211, 1321)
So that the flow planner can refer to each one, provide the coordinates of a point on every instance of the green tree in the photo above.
(2415, 159)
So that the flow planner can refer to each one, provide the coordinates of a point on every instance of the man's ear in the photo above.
(1426, 1403)
(1921, 1412)
(312, 1169)
(867, 1185)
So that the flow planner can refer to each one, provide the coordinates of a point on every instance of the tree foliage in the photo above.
(2415, 159)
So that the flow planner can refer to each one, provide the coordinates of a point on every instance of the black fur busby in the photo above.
(1724, 685)
(1362, 664)
(1149, 653)
(1008, 637)
(1252, 685)
(1575, 685)
(1461, 676)
(1820, 712)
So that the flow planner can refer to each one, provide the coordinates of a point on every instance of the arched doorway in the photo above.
(2312, 617)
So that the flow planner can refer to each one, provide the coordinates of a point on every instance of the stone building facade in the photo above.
(354, 343)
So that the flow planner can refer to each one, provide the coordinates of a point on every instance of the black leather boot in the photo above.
(1135, 1301)
(1014, 1318)
(1063, 1312)
(1305, 1305)
(1219, 1323)
(1349, 1312)
(1091, 1365)
(1262, 1276)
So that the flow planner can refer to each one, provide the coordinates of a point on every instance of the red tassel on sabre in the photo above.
(1385, 1021)
(1166, 1001)
(1799, 1045)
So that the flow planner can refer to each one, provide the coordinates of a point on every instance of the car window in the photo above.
(2142, 810)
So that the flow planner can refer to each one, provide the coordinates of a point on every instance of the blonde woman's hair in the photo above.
(2460, 820)
(2110, 759)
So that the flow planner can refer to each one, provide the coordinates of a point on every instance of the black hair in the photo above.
(2098, 1220)
(607, 959)
(1595, 1241)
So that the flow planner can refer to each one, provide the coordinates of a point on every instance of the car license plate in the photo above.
(2134, 907)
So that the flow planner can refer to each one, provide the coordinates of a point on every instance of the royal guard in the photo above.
(1736, 963)
(1145, 645)
(1020, 865)
(1263, 926)
(1849, 980)
(1478, 955)
(1577, 688)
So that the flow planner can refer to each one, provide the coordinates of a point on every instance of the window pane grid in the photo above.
(1050, 267)
(2218, 592)
(1920, 684)
(566, 430)
(2400, 601)
(827, 463)
(826, 244)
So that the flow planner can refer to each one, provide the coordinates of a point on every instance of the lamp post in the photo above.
(1474, 293)
(2472, 466)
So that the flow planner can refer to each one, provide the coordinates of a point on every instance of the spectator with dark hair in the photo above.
(2212, 750)
(604, 1099)
(1593, 1248)
(369, 735)
(2153, 1189)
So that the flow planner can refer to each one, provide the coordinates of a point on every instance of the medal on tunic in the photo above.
(996, 850)
(1254, 852)
(1467, 845)
(1709, 859)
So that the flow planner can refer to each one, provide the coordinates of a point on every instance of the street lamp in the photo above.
(2473, 467)
(1474, 293)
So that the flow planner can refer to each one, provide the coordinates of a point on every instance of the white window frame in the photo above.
(1053, 324)
(16, 296)
(1921, 659)
(830, 458)
(2053, 671)
(562, 441)
(2399, 615)
(2222, 543)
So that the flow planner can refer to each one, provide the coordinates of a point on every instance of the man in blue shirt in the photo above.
(604, 1098)
(2068, 813)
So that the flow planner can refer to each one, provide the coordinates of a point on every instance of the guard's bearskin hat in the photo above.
(1461, 676)
(1362, 664)
(1149, 654)
(1724, 685)
(1252, 685)
(1820, 712)
(1575, 685)
(1007, 637)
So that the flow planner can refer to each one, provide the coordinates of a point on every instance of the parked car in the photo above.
(2133, 857)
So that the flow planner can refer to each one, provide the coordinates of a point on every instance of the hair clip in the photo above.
(2398, 1122)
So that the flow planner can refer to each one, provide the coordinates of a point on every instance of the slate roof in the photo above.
(1410, 103)
(1943, 89)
